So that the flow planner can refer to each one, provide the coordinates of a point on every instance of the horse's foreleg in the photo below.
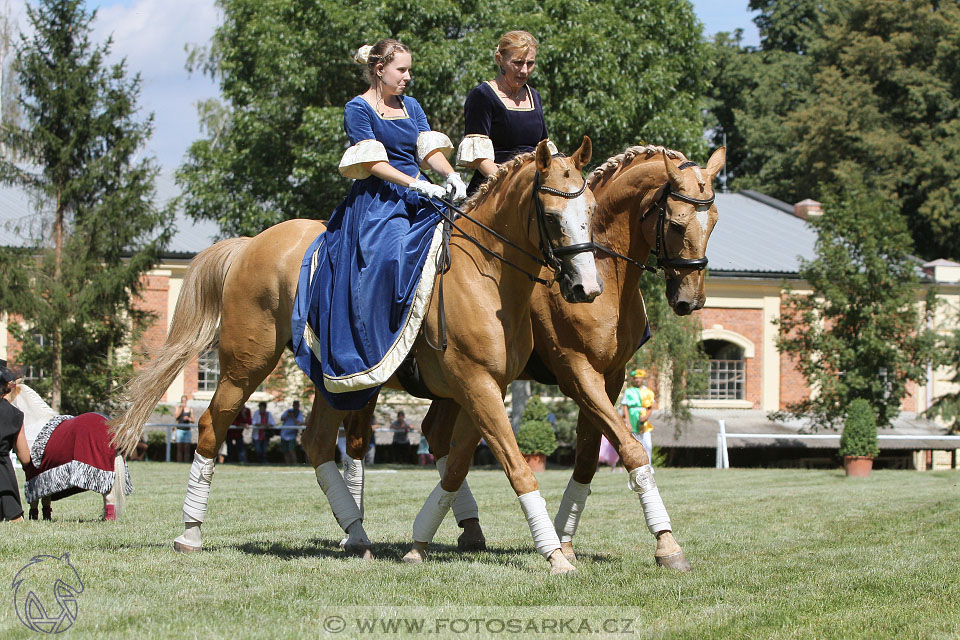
(602, 415)
(578, 488)
(484, 412)
(437, 428)
(320, 442)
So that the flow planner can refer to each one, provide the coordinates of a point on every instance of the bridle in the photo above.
(552, 255)
(549, 258)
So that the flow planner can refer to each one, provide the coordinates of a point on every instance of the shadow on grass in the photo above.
(394, 551)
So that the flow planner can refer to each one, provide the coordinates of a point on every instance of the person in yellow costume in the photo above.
(638, 401)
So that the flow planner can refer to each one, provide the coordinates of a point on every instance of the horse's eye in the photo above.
(550, 218)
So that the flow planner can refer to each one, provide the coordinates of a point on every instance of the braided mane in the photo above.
(484, 189)
(623, 160)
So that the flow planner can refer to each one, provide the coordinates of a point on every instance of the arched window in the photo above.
(726, 370)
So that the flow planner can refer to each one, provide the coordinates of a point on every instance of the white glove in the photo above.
(456, 189)
(427, 189)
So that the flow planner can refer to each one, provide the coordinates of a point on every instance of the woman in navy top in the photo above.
(504, 116)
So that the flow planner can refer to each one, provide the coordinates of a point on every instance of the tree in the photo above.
(858, 333)
(97, 229)
(620, 72)
(850, 89)
(947, 406)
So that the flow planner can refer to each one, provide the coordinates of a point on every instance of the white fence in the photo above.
(723, 458)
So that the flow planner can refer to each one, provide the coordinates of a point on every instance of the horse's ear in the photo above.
(543, 156)
(715, 163)
(582, 155)
(673, 174)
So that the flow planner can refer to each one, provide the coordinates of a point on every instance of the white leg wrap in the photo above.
(544, 535)
(432, 514)
(464, 506)
(198, 489)
(571, 508)
(341, 502)
(353, 476)
(641, 480)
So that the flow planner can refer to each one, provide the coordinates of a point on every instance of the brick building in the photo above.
(754, 254)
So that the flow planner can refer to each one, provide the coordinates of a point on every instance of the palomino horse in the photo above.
(647, 197)
(249, 285)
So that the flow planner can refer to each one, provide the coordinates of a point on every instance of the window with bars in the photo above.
(727, 371)
(208, 370)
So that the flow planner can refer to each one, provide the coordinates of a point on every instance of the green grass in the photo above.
(775, 554)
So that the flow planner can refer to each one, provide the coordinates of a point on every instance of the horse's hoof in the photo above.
(567, 549)
(183, 547)
(676, 561)
(359, 550)
(559, 564)
(415, 556)
(343, 543)
(470, 542)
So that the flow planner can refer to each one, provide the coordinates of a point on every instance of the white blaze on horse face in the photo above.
(575, 229)
(703, 217)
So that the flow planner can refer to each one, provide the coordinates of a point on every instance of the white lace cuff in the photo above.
(475, 146)
(351, 164)
(430, 141)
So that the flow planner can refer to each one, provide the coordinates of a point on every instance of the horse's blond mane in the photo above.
(510, 165)
(623, 160)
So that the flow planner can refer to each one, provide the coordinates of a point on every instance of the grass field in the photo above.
(775, 554)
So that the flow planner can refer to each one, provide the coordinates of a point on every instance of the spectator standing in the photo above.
(264, 420)
(424, 457)
(236, 449)
(184, 431)
(401, 437)
(292, 417)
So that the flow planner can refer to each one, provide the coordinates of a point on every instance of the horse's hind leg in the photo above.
(320, 443)
(247, 357)
(358, 432)
(437, 428)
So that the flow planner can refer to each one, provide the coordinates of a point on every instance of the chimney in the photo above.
(807, 209)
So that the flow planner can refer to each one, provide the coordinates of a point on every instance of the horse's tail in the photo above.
(196, 321)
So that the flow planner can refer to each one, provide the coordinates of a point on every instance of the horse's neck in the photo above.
(508, 211)
(622, 201)
(36, 412)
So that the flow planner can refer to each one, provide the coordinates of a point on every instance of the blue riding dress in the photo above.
(366, 282)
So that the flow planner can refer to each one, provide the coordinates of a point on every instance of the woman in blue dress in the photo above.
(503, 117)
(366, 282)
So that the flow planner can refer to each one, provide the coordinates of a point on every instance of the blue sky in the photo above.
(151, 34)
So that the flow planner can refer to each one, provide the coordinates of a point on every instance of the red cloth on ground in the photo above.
(84, 438)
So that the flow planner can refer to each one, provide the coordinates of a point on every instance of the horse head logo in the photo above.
(45, 593)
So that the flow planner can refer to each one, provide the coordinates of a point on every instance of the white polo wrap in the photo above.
(641, 480)
(432, 514)
(198, 488)
(353, 477)
(341, 502)
(464, 505)
(571, 507)
(544, 535)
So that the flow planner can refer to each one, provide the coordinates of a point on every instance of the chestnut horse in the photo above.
(249, 285)
(647, 198)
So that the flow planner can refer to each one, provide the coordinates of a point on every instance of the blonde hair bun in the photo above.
(363, 54)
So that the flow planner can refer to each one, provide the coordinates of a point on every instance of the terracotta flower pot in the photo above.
(857, 466)
(536, 461)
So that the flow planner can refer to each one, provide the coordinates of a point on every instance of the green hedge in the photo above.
(859, 436)
(536, 433)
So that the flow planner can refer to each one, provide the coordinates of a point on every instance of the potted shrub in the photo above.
(858, 443)
(536, 438)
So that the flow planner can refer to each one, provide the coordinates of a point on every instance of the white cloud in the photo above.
(151, 35)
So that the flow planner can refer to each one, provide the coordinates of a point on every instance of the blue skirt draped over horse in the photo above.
(366, 282)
